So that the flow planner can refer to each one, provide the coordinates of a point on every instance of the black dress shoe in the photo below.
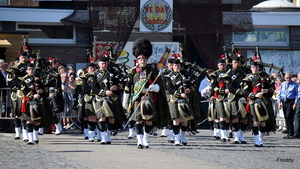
(30, 143)
(108, 142)
(218, 138)
(146, 146)
(129, 137)
(184, 143)
(223, 140)
(235, 142)
(36, 141)
(26, 140)
(171, 141)
(17, 138)
(256, 145)
(243, 142)
(140, 146)
(296, 136)
(102, 143)
(177, 145)
(86, 137)
(91, 140)
(288, 137)
(163, 136)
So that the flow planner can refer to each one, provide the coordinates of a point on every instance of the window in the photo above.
(48, 33)
(3, 2)
(267, 36)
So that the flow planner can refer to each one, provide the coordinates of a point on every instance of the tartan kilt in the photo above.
(115, 108)
(220, 110)
(89, 109)
(174, 113)
(234, 110)
(30, 115)
(138, 113)
(256, 113)
(16, 107)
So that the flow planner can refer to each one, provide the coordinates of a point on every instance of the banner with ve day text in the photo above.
(156, 15)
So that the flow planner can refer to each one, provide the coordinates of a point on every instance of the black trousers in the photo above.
(289, 114)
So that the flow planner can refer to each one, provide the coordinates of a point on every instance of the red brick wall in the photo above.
(65, 54)
(24, 3)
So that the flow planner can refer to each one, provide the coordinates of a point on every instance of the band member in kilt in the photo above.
(178, 88)
(55, 99)
(108, 105)
(88, 80)
(31, 97)
(233, 104)
(166, 71)
(146, 98)
(18, 70)
(218, 91)
(258, 91)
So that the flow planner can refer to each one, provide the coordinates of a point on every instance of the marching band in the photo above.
(107, 96)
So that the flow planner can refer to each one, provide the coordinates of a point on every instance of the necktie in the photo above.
(286, 91)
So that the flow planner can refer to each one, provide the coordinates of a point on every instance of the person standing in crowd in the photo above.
(297, 113)
(146, 99)
(68, 99)
(89, 97)
(287, 100)
(221, 117)
(233, 79)
(3, 94)
(278, 81)
(107, 89)
(178, 89)
(205, 83)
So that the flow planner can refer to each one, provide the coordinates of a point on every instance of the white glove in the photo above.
(154, 88)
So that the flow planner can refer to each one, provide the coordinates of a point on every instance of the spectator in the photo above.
(205, 83)
(287, 99)
(297, 113)
(279, 123)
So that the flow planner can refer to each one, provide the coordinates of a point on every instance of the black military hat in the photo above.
(236, 58)
(170, 60)
(30, 64)
(176, 61)
(142, 48)
(90, 65)
(221, 61)
(23, 53)
(254, 63)
(103, 58)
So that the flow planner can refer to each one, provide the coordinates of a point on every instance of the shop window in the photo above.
(269, 36)
(50, 33)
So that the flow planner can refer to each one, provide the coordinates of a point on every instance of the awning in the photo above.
(4, 43)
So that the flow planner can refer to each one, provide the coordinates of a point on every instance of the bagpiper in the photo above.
(218, 85)
(32, 90)
(178, 88)
(107, 91)
(146, 99)
(235, 92)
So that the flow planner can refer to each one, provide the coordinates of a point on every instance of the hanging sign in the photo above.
(156, 15)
